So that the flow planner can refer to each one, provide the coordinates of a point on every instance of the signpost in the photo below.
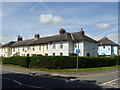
(77, 51)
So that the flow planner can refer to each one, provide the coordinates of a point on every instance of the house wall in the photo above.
(6, 51)
(71, 47)
(118, 51)
(1, 52)
(79, 45)
(104, 49)
(32, 50)
(39, 49)
(108, 50)
(91, 48)
(115, 50)
(65, 50)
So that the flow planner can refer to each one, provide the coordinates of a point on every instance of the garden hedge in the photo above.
(62, 62)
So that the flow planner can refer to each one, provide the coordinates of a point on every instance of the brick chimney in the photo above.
(82, 32)
(19, 38)
(36, 36)
(62, 31)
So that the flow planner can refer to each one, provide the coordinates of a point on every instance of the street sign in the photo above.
(77, 50)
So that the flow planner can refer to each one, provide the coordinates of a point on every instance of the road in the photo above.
(19, 78)
(107, 80)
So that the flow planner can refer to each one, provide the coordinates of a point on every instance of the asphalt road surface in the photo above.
(17, 80)
(20, 78)
(107, 80)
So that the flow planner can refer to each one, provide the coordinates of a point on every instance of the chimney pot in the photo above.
(37, 36)
(19, 38)
(62, 31)
(82, 32)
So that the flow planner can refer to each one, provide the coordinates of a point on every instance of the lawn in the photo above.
(67, 70)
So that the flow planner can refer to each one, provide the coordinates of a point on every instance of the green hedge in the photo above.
(61, 62)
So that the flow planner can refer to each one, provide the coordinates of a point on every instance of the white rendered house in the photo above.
(107, 47)
(63, 44)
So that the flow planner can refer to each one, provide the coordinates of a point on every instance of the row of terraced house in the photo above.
(63, 44)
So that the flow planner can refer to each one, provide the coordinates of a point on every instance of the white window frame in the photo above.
(61, 45)
(53, 46)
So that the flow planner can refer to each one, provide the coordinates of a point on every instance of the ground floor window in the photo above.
(46, 54)
(61, 54)
(53, 54)
(33, 54)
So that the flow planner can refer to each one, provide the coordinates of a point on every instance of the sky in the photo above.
(97, 19)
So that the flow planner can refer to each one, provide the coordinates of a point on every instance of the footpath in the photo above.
(46, 73)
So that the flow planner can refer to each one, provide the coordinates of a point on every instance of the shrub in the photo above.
(62, 62)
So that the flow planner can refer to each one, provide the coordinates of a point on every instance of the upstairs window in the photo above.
(61, 45)
(40, 47)
(104, 46)
(23, 49)
(47, 47)
(33, 49)
(53, 46)
(18, 49)
(13, 49)
(28, 49)
(75, 44)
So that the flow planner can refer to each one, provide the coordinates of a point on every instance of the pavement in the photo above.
(104, 78)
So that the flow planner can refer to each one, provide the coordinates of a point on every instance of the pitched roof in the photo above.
(106, 41)
(82, 37)
(23, 43)
(9, 44)
(61, 37)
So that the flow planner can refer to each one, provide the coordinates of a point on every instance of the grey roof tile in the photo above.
(106, 41)
(62, 37)
(9, 44)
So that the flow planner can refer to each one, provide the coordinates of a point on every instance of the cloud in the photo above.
(49, 19)
(103, 25)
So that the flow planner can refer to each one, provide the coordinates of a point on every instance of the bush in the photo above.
(62, 62)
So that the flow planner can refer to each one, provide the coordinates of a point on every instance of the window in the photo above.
(13, 49)
(61, 45)
(61, 54)
(46, 54)
(23, 49)
(18, 49)
(47, 47)
(33, 49)
(75, 46)
(53, 54)
(40, 47)
(53, 46)
(28, 48)
(104, 46)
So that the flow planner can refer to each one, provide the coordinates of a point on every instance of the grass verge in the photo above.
(67, 70)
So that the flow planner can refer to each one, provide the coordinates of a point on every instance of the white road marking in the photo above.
(17, 82)
(32, 86)
(110, 83)
(21, 83)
